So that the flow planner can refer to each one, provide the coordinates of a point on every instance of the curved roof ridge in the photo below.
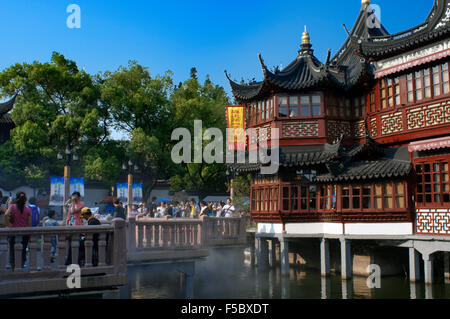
(7, 106)
(435, 27)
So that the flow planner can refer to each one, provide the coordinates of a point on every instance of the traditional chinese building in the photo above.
(364, 136)
(6, 121)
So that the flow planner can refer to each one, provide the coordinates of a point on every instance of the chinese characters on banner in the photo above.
(57, 189)
(137, 193)
(122, 193)
(236, 138)
(77, 185)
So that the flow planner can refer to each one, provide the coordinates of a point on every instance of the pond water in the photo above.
(227, 274)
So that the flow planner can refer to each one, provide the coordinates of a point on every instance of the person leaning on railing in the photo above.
(18, 216)
(4, 204)
(87, 215)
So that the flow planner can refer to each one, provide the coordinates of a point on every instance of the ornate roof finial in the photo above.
(365, 3)
(306, 46)
(305, 37)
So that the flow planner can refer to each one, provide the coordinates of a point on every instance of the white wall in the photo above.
(379, 229)
(31, 192)
(337, 229)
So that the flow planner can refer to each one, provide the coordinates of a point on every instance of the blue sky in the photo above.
(177, 35)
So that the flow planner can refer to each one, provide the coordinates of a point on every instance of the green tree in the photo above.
(57, 107)
(207, 102)
(241, 189)
(139, 105)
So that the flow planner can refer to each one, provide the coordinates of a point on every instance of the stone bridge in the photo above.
(103, 252)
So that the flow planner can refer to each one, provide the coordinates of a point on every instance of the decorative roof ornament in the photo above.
(305, 37)
(306, 43)
(365, 3)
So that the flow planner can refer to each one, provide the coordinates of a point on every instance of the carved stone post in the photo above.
(3, 254)
(46, 247)
(132, 234)
(75, 248)
(33, 253)
(18, 253)
(88, 245)
(120, 249)
(140, 229)
(61, 246)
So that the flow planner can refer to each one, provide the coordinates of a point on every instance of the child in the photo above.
(52, 222)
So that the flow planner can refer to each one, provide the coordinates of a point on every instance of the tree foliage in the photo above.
(56, 108)
(60, 106)
(194, 101)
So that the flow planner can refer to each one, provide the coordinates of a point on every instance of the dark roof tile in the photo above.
(384, 168)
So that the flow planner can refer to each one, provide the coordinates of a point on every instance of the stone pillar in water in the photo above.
(272, 251)
(428, 269)
(414, 265)
(324, 257)
(263, 253)
(284, 256)
(346, 259)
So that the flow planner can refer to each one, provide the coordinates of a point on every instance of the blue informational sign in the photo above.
(77, 185)
(56, 191)
(122, 192)
(137, 193)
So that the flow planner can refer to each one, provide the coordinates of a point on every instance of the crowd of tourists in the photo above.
(22, 212)
(187, 209)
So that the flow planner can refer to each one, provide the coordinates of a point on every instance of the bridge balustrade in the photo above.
(102, 252)
(184, 233)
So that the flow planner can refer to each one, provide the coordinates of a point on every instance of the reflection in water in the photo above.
(325, 287)
(224, 275)
(360, 288)
(347, 291)
(285, 288)
(428, 292)
(412, 288)
(271, 283)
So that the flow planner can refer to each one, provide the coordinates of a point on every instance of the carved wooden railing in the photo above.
(110, 259)
(183, 233)
(432, 221)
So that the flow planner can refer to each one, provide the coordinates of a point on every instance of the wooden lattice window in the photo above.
(374, 197)
(359, 105)
(373, 101)
(283, 106)
(302, 106)
(264, 198)
(390, 92)
(286, 193)
(327, 197)
(428, 83)
(433, 182)
(299, 197)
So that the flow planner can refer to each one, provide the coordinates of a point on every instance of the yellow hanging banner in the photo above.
(236, 138)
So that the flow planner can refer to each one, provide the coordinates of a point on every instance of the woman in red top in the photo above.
(18, 216)
(73, 208)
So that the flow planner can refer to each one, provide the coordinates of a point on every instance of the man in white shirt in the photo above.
(228, 209)
(162, 210)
